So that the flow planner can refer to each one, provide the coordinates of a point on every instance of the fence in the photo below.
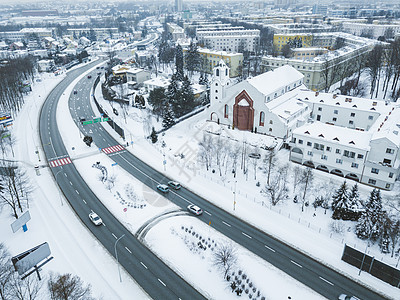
(114, 125)
(368, 264)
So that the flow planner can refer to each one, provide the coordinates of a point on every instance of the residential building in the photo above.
(176, 31)
(293, 39)
(100, 33)
(137, 75)
(178, 5)
(373, 30)
(211, 58)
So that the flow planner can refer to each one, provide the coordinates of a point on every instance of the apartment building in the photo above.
(351, 137)
(303, 40)
(316, 68)
(211, 58)
(25, 34)
(375, 30)
(232, 39)
(101, 33)
(176, 31)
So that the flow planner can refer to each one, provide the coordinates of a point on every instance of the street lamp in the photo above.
(59, 187)
(234, 195)
(116, 256)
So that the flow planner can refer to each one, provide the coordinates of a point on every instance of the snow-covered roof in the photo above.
(336, 134)
(388, 126)
(271, 81)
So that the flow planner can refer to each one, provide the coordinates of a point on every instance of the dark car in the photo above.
(89, 76)
(75, 92)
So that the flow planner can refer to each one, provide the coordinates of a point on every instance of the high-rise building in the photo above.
(178, 5)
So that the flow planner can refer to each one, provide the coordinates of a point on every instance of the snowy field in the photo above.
(77, 252)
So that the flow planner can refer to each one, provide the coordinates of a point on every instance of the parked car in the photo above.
(163, 188)
(96, 220)
(75, 92)
(194, 209)
(89, 76)
(346, 297)
(175, 185)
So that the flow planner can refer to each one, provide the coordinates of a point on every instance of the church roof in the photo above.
(271, 81)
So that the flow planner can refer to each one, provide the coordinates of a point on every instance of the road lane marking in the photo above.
(323, 279)
(269, 248)
(128, 250)
(207, 213)
(246, 235)
(295, 263)
(143, 265)
(70, 183)
(114, 235)
(77, 192)
(226, 224)
(161, 281)
(84, 201)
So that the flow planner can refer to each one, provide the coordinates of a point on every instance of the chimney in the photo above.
(334, 96)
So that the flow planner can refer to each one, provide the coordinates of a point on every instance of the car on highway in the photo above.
(96, 220)
(194, 209)
(89, 76)
(175, 185)
(255, 155)
(75, 92)
(163, 188)
(346, 297)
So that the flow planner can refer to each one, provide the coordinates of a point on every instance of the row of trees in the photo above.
(59, 286)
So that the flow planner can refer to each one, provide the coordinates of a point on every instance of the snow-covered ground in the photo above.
(77, 252)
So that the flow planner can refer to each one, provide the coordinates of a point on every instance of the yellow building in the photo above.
(211, 58)
(302, 40)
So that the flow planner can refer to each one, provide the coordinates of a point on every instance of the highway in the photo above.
(313, 274)
(155, 277)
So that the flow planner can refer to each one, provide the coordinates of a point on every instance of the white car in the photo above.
(163, 188)
(96, 220)
(194, 209)
(346, 297)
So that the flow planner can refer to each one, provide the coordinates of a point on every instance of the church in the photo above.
(266, 104)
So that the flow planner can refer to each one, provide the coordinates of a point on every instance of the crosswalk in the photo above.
(112, 149)
(60, 162)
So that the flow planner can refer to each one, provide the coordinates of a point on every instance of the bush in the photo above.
(246, 291)
(254, 290)
(240, 272)
(250, 284)
(337, 226)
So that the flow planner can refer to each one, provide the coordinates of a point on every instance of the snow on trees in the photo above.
(340, 202)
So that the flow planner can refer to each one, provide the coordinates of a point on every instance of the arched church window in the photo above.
(262, 118)
(226, 111)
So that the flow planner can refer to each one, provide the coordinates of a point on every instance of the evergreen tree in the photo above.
(153, 136)
(384, 241)
(158, 100)
(187, 97)
(173, 95)
(340, 202)
(370, 222)
(168, 119)
(179, 62)
(354, 197)
(192, 58)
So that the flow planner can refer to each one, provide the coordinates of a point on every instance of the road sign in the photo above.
(21, 221)
(114, 164)
(164, 162)
(87, 122)
(96, 120)
(125, 209)
(106, 119)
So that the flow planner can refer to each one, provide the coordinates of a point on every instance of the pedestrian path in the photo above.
(60, 162)
(112, 149)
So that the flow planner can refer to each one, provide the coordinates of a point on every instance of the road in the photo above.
(155, 277)
(313, 274)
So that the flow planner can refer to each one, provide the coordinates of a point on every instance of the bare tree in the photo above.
(225, 258)
(306, 180)
(27, 289)
(6, 273)
(296, 177)
(254, 160)
(235, 153)
(276, 190)
(374, 65)
(270, 161)
(205, 150)
(68, 287)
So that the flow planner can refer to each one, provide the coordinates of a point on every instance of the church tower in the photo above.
(220, 81)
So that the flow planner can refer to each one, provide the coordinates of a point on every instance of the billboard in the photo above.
(22, 220)
(5, 119)
(25, 261)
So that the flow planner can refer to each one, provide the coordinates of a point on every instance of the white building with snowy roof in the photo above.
(264, 104)
(355, 138)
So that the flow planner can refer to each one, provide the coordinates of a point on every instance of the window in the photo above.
(328, 148)
(216, 91)
(309, 153)
(360, 156)
(387, 186)
(335, 112)
(318, 118)
(324, 157)
(338, 151)
(349, 154)
(354, 165)
(318, 146)
(391, 175)
(351, 122)
(370, 117)
(262, 118)
(270, 122)
(339, 161)
(352, 115)
(309, 144)
(226, 111)
(334, 119)
(387, 161)
(389, 150)
(270, 129)
(372, 181)
(319, 108)
(375, 171)
(300, 141)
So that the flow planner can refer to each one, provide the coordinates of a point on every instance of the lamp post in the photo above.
(116, 255)
(234, 196)
(59, 187)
